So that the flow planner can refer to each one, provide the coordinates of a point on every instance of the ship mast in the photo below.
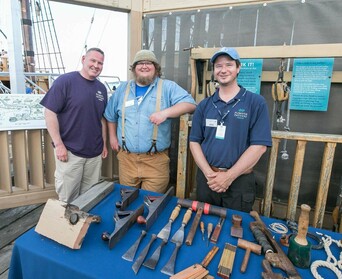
(29, 64)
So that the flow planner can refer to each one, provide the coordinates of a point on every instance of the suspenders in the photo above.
(155, 127)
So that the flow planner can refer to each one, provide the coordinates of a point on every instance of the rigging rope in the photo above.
(85, 41)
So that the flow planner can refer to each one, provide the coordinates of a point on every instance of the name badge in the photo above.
(211, 122)
(129, 103)
(220, 132)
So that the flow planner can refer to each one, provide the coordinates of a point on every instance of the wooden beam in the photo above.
(296, 179)
(324, 182)
(5, 177)
(272, 164)
(19, 149)
(272, 76)
(115, 5)
(35, 155)
(182, 156)
(307, 136)
(26, 198)
(294, 51)
(158, 6)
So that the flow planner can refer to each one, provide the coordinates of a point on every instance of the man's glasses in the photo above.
(144, 63)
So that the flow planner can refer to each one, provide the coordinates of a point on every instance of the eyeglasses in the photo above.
(144, 63)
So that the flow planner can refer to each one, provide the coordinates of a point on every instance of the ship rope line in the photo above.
(85, 47)
(103, 30)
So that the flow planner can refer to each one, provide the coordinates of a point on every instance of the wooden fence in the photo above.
(330, 142)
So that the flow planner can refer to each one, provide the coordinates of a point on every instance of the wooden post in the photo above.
(182, 155)
(323, 186)
(296, 179)
(272, 163)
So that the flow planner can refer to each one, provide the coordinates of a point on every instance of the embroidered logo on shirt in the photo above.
(99, 96)
(241, 114)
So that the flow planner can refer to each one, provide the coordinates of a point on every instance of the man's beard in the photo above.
(144, 80)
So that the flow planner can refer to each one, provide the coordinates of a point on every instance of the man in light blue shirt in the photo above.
(139, 121)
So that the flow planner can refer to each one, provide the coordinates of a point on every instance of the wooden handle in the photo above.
(202, 226)
(245, 261)
(187, 216)
(175, 213)
(256, 216)
(303, 225)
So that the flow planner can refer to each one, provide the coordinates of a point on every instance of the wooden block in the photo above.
(54, 224)
(94, 195)
(193, 270)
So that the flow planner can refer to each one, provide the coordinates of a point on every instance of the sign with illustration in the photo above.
(21, 112)
(310, 86)
(250, 74)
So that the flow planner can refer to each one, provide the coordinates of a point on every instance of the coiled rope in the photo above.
(331, 262)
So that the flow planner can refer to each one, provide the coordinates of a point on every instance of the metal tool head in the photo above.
(122, 225)
(156, 207)
(236, 230)
(178, 237)
(127, 196)
(130, 253)
(165, 232)
(169, 268)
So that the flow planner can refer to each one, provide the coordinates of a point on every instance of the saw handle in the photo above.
(303, 225)
(175, 213)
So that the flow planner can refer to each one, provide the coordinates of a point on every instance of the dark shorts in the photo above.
(240, 195)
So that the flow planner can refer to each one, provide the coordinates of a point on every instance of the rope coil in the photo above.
(331, 262)
(329, 265)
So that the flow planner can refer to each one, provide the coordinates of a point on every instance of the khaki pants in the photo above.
(76, 176)
(150, 172)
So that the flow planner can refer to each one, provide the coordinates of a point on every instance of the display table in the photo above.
(35, 256)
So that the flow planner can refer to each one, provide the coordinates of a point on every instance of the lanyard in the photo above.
(229, 110)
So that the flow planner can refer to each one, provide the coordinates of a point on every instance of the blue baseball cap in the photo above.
(226, 51)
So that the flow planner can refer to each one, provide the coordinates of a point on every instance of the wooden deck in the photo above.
(13, 223)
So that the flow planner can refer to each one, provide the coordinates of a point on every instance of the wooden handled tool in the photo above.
(299, 251)
(197, 270)
(249, 247)
(194, 226)
(303, 225)
(276, 257)
(225, 266)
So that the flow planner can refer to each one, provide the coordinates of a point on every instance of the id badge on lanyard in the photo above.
(220, 131)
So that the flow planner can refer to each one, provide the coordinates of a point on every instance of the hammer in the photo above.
(249, 247)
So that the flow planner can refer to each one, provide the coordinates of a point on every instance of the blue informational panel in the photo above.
(310, 86)
(250, 74)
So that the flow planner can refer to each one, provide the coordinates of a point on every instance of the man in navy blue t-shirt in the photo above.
(74, 108)
(230, 132)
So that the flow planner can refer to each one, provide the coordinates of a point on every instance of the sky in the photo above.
(75, 31)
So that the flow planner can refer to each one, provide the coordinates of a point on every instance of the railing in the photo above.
(301, 139)
(27, 167)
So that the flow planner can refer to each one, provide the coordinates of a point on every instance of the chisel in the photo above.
(129, 255)
(164, 235)
(137, 264)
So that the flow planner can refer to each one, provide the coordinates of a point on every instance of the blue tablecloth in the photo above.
(35, 256)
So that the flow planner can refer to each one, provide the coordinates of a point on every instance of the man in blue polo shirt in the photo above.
(230, 132)
(139, 117)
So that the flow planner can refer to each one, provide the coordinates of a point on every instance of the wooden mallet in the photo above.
(249, 247)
